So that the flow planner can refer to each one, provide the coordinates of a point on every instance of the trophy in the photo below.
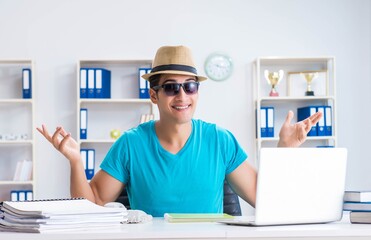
(309, 77)
(273, 79)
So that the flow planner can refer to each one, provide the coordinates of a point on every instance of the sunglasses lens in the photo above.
(171, 89)
(190, 87)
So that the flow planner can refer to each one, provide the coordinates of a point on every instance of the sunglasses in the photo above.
(172, 89)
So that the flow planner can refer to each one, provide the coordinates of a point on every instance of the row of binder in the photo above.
(21, 195)
(95, 83)
(324, 125)
(267, 122)
(88, 160)
(143, 84)
(26, 83)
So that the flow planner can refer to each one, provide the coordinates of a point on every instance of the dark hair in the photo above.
(154, 80)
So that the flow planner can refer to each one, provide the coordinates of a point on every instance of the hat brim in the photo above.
(148, 75)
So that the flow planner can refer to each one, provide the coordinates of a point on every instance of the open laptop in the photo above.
(298, 186)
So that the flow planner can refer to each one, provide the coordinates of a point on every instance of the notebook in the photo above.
(298, 186)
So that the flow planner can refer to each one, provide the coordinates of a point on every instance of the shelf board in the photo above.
(15, 142)
(16, 100)
(276, 139)
(304, 98)
(10, 182)
(97, 141)
(110, 100)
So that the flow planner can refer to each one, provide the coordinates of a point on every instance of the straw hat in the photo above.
(174, 60)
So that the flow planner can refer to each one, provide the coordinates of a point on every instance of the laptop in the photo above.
(298, 186)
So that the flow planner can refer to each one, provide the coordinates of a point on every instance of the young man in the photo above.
(175, 164)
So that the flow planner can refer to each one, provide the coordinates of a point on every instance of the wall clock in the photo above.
(218, 66)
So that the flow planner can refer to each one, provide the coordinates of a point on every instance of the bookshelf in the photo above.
(120, 112)
(291, 90)
(17, 128)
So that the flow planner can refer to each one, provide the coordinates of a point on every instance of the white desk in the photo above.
(159, 229)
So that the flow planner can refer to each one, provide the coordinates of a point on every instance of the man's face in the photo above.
(176, 106)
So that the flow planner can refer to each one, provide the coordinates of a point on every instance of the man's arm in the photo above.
(243, 182)
(103, 188)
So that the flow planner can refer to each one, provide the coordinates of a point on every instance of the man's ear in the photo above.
(153, 95)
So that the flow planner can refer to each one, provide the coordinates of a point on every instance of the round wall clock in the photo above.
(218, 66)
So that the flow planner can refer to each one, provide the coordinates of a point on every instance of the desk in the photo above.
(159, 229)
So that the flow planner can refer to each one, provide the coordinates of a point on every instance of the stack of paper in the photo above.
(58, 215)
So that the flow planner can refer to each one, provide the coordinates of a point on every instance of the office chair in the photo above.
(231, 202)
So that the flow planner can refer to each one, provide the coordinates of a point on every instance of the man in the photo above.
(175, 164)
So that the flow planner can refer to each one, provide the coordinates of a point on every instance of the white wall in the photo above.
(56, 34)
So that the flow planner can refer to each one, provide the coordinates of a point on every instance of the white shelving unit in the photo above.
(122, 111)
(17, 127)
(291, 91)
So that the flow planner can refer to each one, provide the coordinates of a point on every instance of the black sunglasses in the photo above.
(172, 89)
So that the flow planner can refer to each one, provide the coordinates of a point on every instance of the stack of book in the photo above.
(53, 215)
(359, 205)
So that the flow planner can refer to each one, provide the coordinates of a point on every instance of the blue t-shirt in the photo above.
(190, 181)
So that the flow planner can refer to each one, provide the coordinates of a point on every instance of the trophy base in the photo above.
(309, 93)
(273, 94)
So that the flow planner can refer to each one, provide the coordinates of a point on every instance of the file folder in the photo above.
(83, 123)
(83, 83)
(263, 122)
(26, 83)
(29, 195)
(90, 164)
(91, 83)
(84, 158)
(21, 195)
(328, 121)
(321, 122)
(270, 121)
(143, 84)
(305, 112)
(102, 83)
(13, 195)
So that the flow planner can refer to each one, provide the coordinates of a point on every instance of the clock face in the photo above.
(218, 66)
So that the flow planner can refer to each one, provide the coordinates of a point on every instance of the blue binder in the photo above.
(83, 83)
(305, 112)
(83, 123)
(321, 122)
(328, 121)
(29, 195)
(270, 121)
(90, 164)
(26, 83)
(14, 195)
(102, 83)
(263, 122)
(91, 83)
(143, 84)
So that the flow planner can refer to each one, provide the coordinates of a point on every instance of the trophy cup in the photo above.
(273, 79)
(309, 77)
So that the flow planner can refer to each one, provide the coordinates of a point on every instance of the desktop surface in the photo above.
(160, 229)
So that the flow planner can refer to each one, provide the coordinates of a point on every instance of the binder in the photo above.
(26, 83)
(321, 122)
(83, 83)
(263, 122)
(21, 195)
(13, 195)
(91, 83)
(143, 84)
(90, 164)
(270, 121)
(305, 112)
(84, 158)
(29, 195)
(83, 123)
(102, 83)
(328, 121)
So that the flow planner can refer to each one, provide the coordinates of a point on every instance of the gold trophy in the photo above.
(309, 77)
(273, 79)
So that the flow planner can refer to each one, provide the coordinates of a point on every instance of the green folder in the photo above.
(196, 217)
